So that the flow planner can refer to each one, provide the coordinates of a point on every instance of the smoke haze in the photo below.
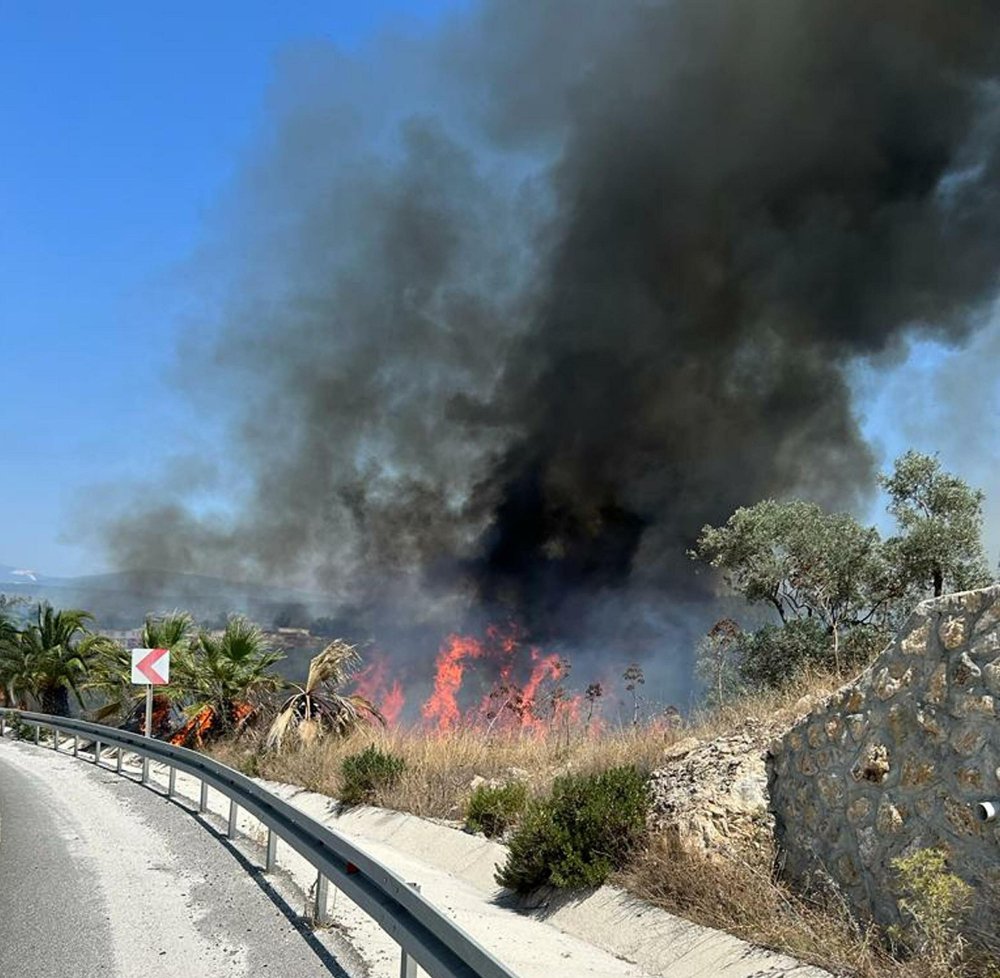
(500, 318)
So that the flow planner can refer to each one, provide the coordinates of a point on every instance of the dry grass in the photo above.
(440, 767)
(747, 901)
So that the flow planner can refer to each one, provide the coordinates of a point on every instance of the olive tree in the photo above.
(939, 545)
(804, 563)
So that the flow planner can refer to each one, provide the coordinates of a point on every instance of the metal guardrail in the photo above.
(425, 935)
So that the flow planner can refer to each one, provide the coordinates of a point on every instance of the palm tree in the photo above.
(15, 672)
(318, 707)
(47, 660)
(225, 678)
(110, 673)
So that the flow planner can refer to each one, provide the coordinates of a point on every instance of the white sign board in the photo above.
(150, 667)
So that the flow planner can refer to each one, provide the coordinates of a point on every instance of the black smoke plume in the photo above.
(502, 317)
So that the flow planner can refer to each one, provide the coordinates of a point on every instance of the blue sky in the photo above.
(123, 123)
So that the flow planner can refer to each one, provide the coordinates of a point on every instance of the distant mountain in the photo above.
(123, 599)
(24, 575)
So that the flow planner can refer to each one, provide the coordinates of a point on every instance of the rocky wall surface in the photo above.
(898, 760)
(711, 796)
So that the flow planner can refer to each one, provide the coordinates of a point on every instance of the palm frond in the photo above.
(334, 665)
(319, 707)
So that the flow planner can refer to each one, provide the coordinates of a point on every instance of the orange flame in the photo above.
(372, 683)
(392, 703)
(193, 732)
(441, 707)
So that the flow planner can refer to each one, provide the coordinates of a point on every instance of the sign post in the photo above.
(150, 667)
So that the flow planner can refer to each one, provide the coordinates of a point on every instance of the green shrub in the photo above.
(933, 901)
(492, 810)
(363, 775)
(582, 833)
(19, 729)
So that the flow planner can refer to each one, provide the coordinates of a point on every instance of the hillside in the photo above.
(123, 599)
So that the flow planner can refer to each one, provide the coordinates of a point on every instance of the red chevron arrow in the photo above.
(146, 663)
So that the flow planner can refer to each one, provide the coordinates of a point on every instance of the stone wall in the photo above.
(897, 761)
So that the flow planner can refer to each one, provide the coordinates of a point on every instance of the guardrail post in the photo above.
(37, 729)
(145, 770)
(76, 745)
(3, 724)
(55, 740)
(203, 800)
(272, 851)
(407, 966)
(118, 762)
(233, 812)
(172, 782)
(322, 893)
(97, 752)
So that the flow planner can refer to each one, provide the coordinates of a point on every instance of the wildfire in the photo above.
(441, 709)
(392, 703)
(372, 683)
(535, 705)
(206, 721)
(495, 682)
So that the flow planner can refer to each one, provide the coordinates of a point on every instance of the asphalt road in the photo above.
(102, 878)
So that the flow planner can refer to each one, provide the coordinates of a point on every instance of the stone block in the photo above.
(857, 725)
(951, 632)
(917, 772)
(847, 869)
(965, 705)
(831, 789)
(858, 810)
(970, 778)
(915, 642)
(965, 672)
(960, 818)
(937, 686)
(991, 676)
(888, 819)
(967, 741)
(927, 720)
(985, 645)
(873, 765)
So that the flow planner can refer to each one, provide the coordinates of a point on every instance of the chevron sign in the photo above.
(150, 667)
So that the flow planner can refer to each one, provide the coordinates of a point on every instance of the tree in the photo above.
(634, 678)
(47, 659)
(772, 654)
(225, 678)
(940, 520)
(718, 661)
(15, 669)
(319, 706)
(806, 564)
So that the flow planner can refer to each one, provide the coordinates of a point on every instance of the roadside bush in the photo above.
(364, 774)
(493, 809)
(19, 729)
(934, 900)
(577, 837)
